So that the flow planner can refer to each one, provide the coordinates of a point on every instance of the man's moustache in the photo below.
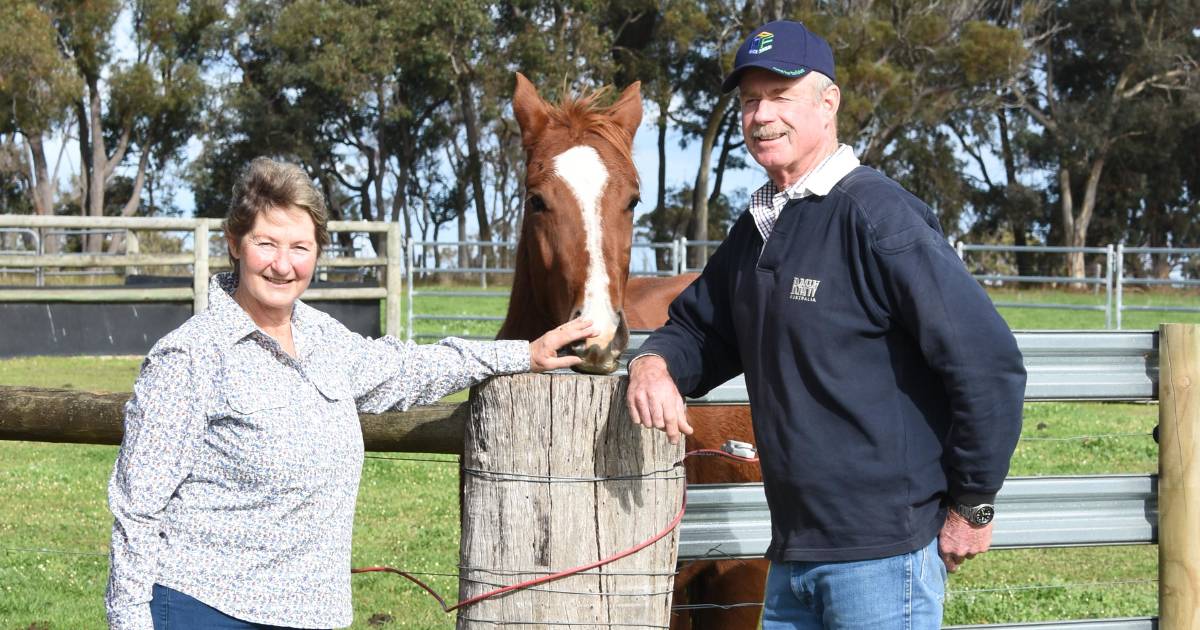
(768, 131)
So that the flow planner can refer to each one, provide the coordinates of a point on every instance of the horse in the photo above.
(572, 260)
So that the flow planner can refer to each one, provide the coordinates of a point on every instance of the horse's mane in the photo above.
(581, 116)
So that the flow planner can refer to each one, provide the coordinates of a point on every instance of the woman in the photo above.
(233, 492)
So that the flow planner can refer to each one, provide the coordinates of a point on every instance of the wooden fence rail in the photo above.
(56, 415)
(198, 259)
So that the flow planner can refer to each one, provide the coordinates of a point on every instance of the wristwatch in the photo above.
(975, 514)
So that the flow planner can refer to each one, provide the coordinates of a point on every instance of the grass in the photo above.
(54, 526)
(1018, 318)
(1041, 318)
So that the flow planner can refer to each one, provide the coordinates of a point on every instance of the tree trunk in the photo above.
(1158, 227)
(93, 242)
(85, 154)
(378, 158)
(43, 188)
(103, 165)
(1075, 226)
(698, 224)
(660, 202)
(727, 146)
(464, 254)
(474, 165)
(1014, 197)
(135, 200)
(401, 209)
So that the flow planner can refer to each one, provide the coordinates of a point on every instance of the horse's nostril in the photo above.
(576, 313)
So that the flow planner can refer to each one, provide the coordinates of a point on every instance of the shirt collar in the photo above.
(826, 175)
(238, 322)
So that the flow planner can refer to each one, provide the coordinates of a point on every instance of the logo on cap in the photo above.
(790, 73)
(761, 43)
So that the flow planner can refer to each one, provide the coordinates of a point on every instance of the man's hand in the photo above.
(653, 399)
(960, 541)
(543, 351)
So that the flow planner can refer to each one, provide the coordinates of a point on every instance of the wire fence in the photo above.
(1115, 270)
(1075, 511)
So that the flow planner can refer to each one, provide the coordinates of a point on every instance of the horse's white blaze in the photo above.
(584, 172)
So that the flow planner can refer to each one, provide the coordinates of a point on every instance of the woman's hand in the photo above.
(543, 351)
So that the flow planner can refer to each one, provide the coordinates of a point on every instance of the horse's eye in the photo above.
(633, 204)
(534, 204)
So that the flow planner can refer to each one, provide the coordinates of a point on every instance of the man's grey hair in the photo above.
(820, 83)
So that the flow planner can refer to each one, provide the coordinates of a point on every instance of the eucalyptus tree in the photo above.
(906, 72)
(16, 182)
(1100, 75)
(704, 110)
(259, 113)
(147, 103)
(565, 47)
(1148, 196)
(37, 88)
(652, 44)
(338, 61)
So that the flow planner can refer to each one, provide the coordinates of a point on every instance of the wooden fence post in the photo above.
(555, 475)
(1179, 477)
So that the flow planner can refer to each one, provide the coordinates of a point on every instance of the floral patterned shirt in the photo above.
(239, 469)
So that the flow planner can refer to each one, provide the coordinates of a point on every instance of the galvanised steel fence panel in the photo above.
(418, 265)
(1128, 623)
(647, 263)
(34, 239)
(732, 520)
(1090, 365)
(1112, 278)
(1172, 282)
(684, 245)
(1106, 281)
(1062, 365)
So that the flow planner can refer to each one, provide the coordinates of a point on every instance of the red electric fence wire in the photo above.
(572, 571)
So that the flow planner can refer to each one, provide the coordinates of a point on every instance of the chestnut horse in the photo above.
(572, 259)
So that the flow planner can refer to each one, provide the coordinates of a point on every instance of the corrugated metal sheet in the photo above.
(1062, 365)
(1129, 623)
(731, 520)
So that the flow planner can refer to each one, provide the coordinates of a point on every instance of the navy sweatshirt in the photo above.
(881, 379)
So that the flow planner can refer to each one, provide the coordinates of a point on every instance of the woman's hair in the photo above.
(267, 184)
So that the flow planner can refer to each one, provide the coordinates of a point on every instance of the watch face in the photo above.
(984, 514)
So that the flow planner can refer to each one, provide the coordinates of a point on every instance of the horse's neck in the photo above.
(525, 319)
(648, 298)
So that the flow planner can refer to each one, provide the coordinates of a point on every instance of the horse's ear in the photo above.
(627, 111)
(530, 110)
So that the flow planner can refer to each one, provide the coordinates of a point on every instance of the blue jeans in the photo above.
(173, 610)
(902, 592)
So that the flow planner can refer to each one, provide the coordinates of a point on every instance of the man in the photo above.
(885, 389)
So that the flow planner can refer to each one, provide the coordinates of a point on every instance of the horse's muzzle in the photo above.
(602, 359)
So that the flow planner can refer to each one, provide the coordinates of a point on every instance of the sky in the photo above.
(682, 164)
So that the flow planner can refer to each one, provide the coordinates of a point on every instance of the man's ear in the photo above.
(831, 100)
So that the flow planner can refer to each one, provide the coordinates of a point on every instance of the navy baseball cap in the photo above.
(784, 47)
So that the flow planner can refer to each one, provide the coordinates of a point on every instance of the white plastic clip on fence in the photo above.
(739, 449)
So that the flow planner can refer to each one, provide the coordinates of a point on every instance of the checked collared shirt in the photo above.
(768, 201)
